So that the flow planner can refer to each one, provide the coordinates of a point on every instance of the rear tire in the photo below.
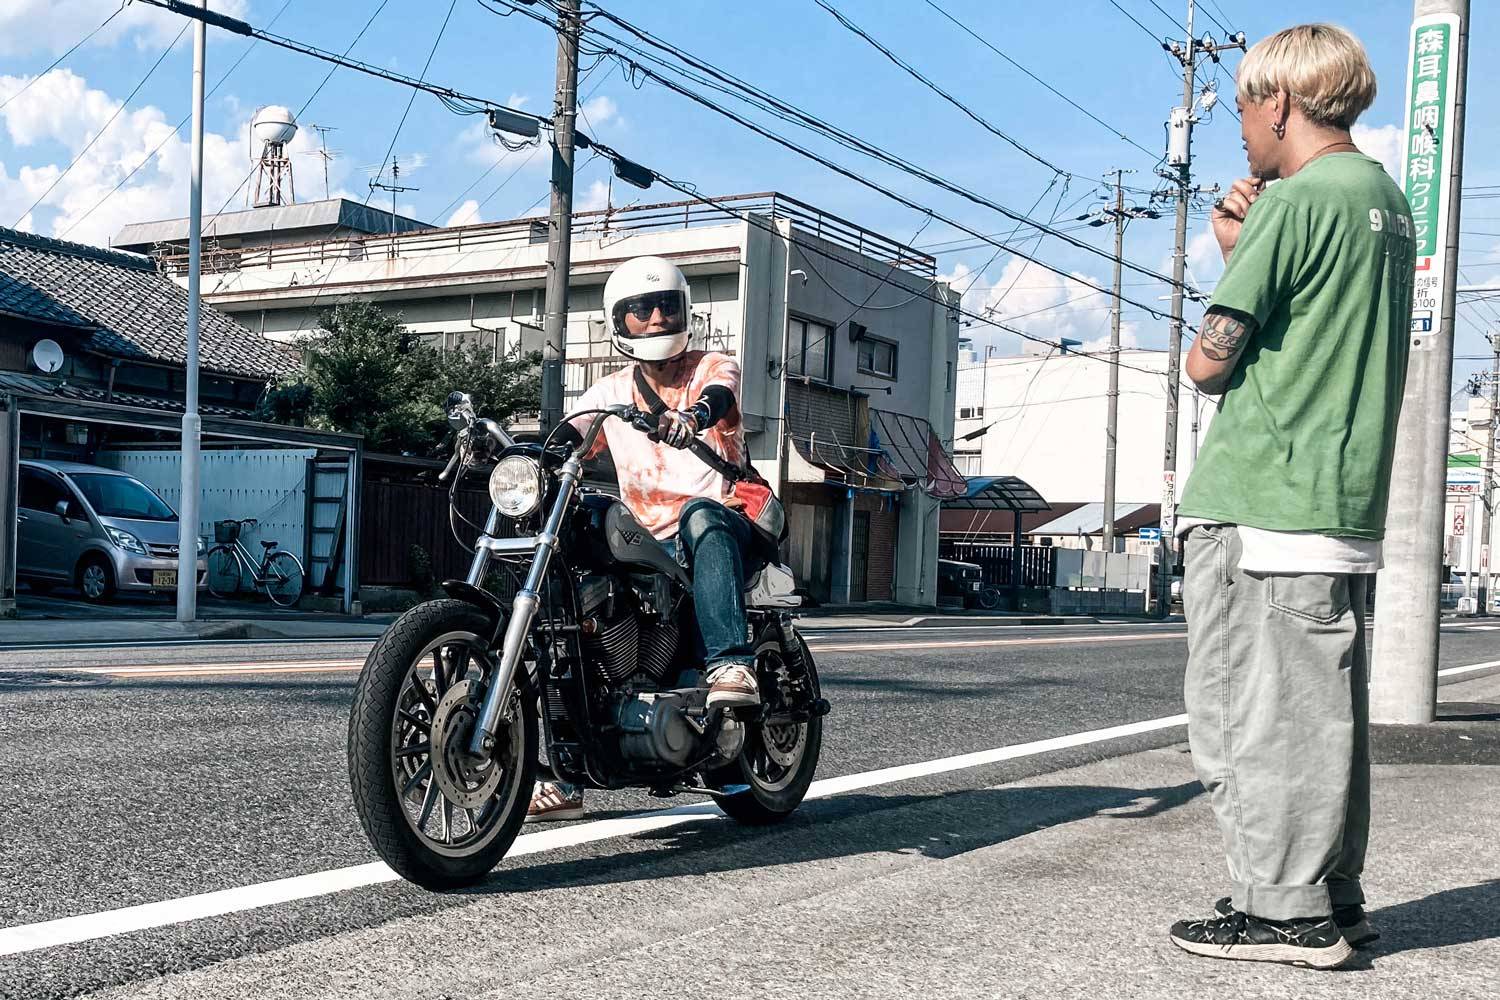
(377, 716)
(283, 575)
(763, 802)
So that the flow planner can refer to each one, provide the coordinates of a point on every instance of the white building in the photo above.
(846, 339)
(1043, 419)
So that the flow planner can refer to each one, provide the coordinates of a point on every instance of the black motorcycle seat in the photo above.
(630, 543)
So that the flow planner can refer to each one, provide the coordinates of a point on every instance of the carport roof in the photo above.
(998, 493)
(124, 307)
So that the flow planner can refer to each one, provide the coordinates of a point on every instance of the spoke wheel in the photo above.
(437, 815)
(777, 764)
(223, 572)
(283, 579)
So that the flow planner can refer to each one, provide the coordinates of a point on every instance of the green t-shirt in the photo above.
(1305, 432)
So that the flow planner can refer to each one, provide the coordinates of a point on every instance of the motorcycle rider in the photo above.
(672, 492)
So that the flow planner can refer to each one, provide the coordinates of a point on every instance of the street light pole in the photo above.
(1486, 491)
(187, 503)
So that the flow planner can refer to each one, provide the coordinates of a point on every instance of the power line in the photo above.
(75, 47)
(916, 74)
(412, 97)
(1154, 36)
(1120, 134)
(871, 151)
(1162, 10)
(105, 128)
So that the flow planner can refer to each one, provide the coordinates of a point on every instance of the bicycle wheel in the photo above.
(223, 572)
(282, 578)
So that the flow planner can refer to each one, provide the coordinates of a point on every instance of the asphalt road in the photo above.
(171, 772)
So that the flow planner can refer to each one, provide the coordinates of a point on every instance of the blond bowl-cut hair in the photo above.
(1321, 67)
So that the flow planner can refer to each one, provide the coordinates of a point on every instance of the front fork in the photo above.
(523, 612)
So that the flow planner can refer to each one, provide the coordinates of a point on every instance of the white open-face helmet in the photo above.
(643, 287)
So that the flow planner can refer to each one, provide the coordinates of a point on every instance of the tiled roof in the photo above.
(42, 386)
(128, 309)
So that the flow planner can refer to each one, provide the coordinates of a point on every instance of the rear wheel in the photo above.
(439, 817)
(223, 572)
(989, 598)
(283, 579)
(776, 767)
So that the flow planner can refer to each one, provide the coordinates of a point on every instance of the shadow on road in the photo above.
(1464, 915)
(934, 826)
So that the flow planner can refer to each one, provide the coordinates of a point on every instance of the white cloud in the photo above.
(49, 26)
(592, 200)
(465, 215)
(61, 110)
(1041, 303)
(1383, 142)
(599, 112)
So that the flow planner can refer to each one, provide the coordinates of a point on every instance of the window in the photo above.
(970, 412)
(42, 490)
(877, 357)
(809, 349)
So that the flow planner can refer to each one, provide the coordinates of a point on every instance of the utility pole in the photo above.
(1180, 157)
(1487, 492)
(1403, 668)
(560, 226)
(192, 426)
(394, 187)
(1112, 421)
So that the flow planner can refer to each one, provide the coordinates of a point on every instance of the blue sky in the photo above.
(1085, 48)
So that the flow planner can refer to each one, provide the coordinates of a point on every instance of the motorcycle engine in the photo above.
(666, 727)
(621, 634)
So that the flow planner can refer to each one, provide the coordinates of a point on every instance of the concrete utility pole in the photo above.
(192, 426)
(1112, 421)
(1486, 491)
(560, 227)
(1403, 671)
(1180, 156)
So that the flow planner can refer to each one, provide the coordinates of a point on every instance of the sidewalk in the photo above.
(221, 621)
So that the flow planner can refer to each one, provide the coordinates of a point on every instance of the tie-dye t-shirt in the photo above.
(656, 480)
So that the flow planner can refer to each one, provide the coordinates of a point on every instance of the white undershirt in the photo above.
(1263, 551)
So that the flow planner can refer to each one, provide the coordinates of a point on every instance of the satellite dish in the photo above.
(47, 355)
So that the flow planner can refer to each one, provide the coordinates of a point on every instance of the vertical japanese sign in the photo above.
(1428, 161)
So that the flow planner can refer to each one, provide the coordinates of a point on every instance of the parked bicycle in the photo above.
(279, 574)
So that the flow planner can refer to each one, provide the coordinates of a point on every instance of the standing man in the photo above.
(1306, 338)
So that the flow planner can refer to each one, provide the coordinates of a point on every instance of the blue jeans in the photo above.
(717, 545)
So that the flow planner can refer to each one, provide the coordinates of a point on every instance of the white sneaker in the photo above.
(732, 685)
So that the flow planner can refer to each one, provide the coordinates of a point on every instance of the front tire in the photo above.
(96, 579)
(223, 572)
(420, 685)
(776, 766)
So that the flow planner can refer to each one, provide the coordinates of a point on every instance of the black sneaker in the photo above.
(1314, 943)
(1351, 921)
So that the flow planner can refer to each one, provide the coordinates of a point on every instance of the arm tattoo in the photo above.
(1224, 334)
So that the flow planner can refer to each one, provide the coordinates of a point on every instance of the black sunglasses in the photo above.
(643, 306)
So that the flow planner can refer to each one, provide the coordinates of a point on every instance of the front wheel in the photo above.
(775, 769)
(223, 572)
(282, 576)
(438, 816)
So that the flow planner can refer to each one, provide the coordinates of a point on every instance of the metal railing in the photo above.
(600, 224)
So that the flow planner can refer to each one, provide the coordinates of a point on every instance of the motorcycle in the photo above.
(592, 661)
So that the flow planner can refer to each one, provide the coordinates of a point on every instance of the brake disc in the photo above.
(465, 780)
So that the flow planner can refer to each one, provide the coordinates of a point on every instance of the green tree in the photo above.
(366, 374)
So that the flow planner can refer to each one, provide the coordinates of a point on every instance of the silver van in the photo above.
(97, 529)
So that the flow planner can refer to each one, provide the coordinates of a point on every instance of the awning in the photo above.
(915, 454)
(998, 493)
(823, 459)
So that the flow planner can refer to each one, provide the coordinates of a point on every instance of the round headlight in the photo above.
(516, 486)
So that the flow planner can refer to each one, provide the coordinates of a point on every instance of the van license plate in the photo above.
(164, 578)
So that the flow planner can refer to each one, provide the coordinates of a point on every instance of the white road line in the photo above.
(108, 923)
(974, 643)
(1469, 669)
